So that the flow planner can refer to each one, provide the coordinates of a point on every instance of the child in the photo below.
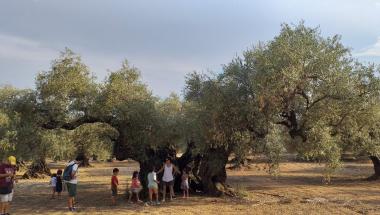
(53, 184)
(135, 187)
(185, 182)
(114, 184)
(59, 185)
(153, 185)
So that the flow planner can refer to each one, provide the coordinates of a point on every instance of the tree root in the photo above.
(38, 169)
(373, 177)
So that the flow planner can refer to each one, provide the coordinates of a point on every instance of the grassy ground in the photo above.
(299, 190)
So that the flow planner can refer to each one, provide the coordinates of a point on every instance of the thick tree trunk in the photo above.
(155, 159)
(212, 172)
(38, 169)
(85, 161)
(186, 160)
(209, 173)
(376, 166)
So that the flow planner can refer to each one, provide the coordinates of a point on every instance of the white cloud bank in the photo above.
(372, 51)
(15, 47)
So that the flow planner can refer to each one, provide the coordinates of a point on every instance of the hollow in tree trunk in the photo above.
(376, 166)
(38, 169)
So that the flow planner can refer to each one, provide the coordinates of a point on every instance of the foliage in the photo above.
(299, 92)
(94, 140)
(67, 91)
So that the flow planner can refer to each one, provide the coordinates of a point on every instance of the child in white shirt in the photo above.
(53, 184)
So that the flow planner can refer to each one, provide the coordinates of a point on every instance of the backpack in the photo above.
(67, 172)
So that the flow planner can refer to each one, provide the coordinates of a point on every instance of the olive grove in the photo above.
(300, 92)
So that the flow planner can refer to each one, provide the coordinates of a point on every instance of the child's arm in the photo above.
(155, 179)
(176, 169)
(6, 175)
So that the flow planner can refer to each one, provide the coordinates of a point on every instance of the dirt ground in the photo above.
(298, 190)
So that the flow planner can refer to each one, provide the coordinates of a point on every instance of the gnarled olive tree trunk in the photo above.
(37, 169)
(209, 168)
(376, 167)
(212, 172)
(85, 162)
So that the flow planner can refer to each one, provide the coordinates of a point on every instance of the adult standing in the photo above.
(7, 175)
(169, 170)
(70, 176)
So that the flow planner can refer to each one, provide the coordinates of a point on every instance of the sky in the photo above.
(166, 39)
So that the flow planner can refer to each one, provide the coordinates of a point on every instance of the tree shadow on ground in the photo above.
(98, 200)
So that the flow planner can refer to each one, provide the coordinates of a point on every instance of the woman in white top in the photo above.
(168, 178)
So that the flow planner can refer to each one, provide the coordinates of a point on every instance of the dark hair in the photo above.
(168, 159)
(135, 174)
(59, 172)
(152, 168)
(187, 169)
(53, 175)
(115, 170)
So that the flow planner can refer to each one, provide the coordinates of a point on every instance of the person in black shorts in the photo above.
(59, 185)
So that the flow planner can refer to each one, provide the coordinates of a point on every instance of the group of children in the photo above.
(57, 183)
(153, 185)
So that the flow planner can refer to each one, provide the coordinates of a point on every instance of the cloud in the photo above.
(20, 48)
(372, 51)
(162, 74)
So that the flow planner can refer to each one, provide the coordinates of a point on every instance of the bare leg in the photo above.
(163, 192)
(156, 195)
(113, 200)
(53, 195)
(171, 192)
(150, 195)
(70, 202)
(6, 207)
(1, 207)
(137, 196)
(130, 196)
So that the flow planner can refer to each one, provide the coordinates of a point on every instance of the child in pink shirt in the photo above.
(135, 187)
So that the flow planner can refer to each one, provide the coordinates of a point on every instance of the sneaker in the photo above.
(158, 203)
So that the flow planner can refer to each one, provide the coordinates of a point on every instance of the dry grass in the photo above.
(299, 190)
